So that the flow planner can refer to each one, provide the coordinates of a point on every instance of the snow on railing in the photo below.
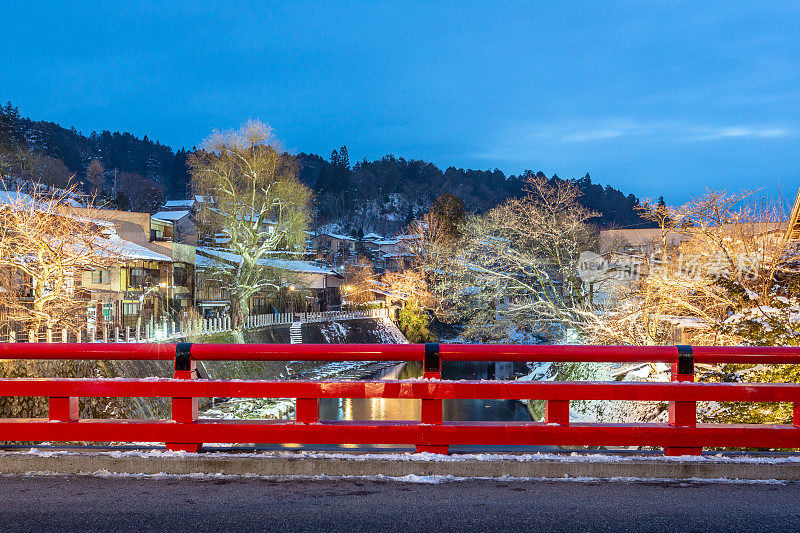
(173, 330)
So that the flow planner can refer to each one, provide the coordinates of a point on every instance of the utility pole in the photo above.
(115, 183)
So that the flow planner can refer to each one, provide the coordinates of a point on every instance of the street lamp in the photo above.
(347, 289)
(291, 300)
(142, 297)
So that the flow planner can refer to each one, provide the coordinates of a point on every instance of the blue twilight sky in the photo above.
(649, 97)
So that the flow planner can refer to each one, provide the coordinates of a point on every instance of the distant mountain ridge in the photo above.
(381, 195)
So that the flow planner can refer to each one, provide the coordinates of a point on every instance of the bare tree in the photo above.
(515, 268)
(23, 165)
(144, 195)
(360, 280)
(731, 279)
(260, 207)
(43, 252)
(96, 176)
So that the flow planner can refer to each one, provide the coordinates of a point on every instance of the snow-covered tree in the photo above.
(45, 246)
(514, 269)
(731, 278)
(258, 206)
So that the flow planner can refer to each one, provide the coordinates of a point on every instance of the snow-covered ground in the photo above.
(567, 457)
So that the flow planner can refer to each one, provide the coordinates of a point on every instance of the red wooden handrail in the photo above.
(404, 389)
(683, 435)
(401, 352)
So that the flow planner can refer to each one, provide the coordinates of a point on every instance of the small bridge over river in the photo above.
(682, 435)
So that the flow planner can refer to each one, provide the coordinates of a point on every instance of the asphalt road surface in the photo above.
(236, 504)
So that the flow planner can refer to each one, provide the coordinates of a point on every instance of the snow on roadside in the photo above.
(410, 478)
(567, 457)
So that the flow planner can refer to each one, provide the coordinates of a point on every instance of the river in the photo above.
(348, 409)
(395, 409)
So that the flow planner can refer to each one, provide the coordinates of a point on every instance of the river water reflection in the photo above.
(396, 409)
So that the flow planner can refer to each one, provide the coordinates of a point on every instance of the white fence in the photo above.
(259, 321)
(175, 330)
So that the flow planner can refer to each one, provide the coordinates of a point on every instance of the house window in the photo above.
(101, 277)
(137, 277)
(143, 277)
(180, 276)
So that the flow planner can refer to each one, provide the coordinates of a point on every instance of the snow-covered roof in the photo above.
(387, 242)
(201, 262)
(179, 203)
(396, 254)
(20, 199)
(170, 216)
(340, 237)
(373, 237)
(293, 265)
(115, 247)
(132, 251)
(206, 258)
(15, 198)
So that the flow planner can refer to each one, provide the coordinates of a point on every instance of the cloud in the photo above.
(519, 140)
(745, 131)
(594, 135)
(664, 131)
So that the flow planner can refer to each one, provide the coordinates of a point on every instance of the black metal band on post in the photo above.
(183, 356)
(433, 362)
(685, 359)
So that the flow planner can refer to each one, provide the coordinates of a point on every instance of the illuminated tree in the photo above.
(45, 246)
(730, 278)
(360, 279)
(259, 207)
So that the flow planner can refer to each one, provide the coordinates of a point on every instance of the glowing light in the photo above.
(291, 287)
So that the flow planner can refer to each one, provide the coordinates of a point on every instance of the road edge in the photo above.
(280, 464)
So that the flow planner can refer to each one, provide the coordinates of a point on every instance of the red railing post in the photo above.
(184, 410)
(556, 412)
(796, 414)
(64, 409)
(307, 410)
(683, 414)
(431, 410)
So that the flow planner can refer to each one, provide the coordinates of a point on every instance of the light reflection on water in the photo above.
(403, 409)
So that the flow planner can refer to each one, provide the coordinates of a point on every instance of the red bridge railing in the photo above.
(185, 431)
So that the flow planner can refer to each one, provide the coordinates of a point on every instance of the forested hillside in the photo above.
(385, 194)
(120, 152)
(381, 195)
